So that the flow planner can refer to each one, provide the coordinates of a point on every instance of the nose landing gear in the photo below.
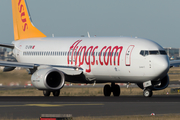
(147, 89)
(147, 92)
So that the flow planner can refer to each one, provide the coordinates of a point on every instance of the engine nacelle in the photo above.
(48, 79)
(163, 84)
(157, 85)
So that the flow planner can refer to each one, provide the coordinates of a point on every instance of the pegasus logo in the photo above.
(30, 47)
(23, 18)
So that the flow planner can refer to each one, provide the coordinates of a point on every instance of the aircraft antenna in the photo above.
(88, 35)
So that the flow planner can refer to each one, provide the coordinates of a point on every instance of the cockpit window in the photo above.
(146, 53)
(142, 52)
(152, 52)
(163, 52)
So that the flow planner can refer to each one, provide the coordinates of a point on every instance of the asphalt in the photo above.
(32, 107)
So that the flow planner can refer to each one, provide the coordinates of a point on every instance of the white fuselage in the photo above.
(108, 59)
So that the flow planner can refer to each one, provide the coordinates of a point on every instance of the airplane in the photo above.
(53, 60)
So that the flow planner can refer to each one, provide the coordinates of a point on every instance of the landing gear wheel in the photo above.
(56, 93)
(46, 93)
(116, 90)
(107, 90)
(147, 93)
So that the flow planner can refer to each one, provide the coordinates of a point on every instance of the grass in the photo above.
(126, 117)
(174, 70)
(133, 117)
(176, 76)
(80, 92)
(16, 76)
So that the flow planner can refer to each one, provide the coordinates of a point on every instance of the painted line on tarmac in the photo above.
(50, 105)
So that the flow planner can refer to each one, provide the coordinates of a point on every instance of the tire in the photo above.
(116, 90)
(46, 93)
(107, 90)
(147, 93)
(56, 93)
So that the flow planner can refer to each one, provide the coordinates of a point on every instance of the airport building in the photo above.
(173, 53)
(6, 54)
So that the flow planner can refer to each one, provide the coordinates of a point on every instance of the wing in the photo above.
(7, 45)
(8, 66)
(69, 70)
(174, 63)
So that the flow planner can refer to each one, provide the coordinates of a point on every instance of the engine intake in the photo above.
(51, 79)
(157, 85)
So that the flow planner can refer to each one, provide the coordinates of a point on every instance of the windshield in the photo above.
(152, 52)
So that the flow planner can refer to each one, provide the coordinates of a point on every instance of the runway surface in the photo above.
(33, 107)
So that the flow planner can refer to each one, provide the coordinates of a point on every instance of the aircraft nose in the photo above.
(162, 65)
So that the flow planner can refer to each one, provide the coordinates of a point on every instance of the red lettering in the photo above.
(78, 41)
(96, 62)
(19, 2)
(85, 53)
(106, 62)
(100, 55)
(33, 47)
(23, 14)
(94, 55)
(73, 51)
(25, 27)
(119, 55)
(81, 62)
(78, 53)
(21, 7)
(88, 61)
(116, 48)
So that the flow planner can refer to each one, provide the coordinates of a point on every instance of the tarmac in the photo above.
(32, 107)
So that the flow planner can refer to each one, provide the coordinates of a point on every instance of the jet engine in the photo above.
(162, 84)
(157, 85)
(48, 79)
